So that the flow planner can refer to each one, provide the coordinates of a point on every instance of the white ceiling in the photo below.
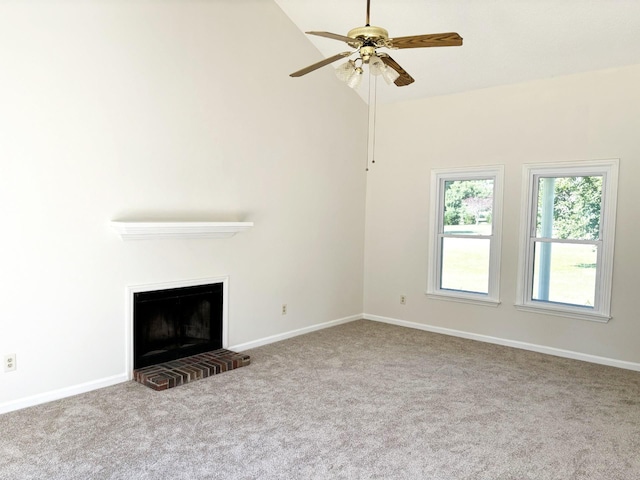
(505, 41)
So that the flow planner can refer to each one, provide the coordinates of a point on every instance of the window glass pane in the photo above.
(465, 264)
(468, 207)
(569, 207)
(565, 273)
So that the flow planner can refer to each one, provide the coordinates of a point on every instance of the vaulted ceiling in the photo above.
(505, 41)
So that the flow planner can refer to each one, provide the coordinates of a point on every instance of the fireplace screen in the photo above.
(176, 323)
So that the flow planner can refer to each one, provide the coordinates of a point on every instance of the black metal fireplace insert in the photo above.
(175, 323)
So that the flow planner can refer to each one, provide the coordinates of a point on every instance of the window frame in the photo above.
(608, 169)
(436, 233)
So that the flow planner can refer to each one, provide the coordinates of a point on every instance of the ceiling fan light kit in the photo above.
(366, 41)
(378, 67)
(349, 73)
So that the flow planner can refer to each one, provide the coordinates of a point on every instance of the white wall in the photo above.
(114, 109)
(581, 117)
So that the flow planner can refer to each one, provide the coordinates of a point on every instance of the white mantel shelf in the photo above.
(152, 230)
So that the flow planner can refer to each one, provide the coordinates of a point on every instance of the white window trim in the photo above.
(438, 176)
(602, 308)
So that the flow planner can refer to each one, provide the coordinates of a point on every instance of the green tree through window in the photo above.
(576, 207)
(466, 200)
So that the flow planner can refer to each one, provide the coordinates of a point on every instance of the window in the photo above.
(466, 219)
(566, 251)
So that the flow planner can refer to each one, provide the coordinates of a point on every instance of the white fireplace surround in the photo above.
(132, 289)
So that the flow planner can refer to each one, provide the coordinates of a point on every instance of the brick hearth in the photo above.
(188, 369)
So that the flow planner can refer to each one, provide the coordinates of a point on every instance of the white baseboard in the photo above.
(293, 333)
(124, 377)
(585, 357)
(109, 381)
(61, 393)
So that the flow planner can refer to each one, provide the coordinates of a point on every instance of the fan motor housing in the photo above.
(368, 33)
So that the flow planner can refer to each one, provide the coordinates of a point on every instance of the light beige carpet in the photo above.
(358, 401)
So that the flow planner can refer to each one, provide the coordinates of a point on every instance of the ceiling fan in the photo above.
(366, 41)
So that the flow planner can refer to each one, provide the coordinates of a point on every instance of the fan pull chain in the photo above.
(375, 117)
(368, 128)
(371, 120)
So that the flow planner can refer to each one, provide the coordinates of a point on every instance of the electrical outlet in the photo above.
(284, 308)
(403, 299)
(10, 362)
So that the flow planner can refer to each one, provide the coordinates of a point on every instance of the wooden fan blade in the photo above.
(319, 64)
(404, 78)
(450, 39)
(351, 41)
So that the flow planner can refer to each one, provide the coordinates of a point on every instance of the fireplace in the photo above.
(178, 332)
(174, 323)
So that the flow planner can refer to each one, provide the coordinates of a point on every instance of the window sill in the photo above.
(561, 312)
(472, 299)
